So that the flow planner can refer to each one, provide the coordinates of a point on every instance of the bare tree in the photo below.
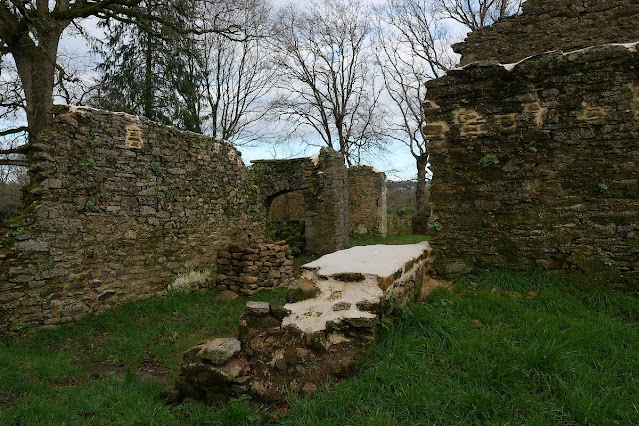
(328, 76)
(30, 32)
(238, 74)
(70, 85)
(414, 47)
(475, 14)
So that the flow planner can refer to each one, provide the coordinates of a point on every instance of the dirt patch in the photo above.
(147, 370)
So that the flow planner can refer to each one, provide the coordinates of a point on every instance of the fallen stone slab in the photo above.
(357, 284)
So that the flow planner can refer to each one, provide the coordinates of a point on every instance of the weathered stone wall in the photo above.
(327, 205)
(323, 181)
(289, 206)
(537, 163)
(367, 201)
(120, 209)
(553, 25)
(254, 268)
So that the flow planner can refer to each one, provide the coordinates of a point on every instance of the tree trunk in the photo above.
(148, 80)
(421, 192)
(36, 66)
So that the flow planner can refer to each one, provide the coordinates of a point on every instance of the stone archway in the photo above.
(323, 181)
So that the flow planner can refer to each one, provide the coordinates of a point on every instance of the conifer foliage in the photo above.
(149, 68)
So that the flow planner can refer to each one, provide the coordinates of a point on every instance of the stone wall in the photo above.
(323, 182)
(254, 268)
(289, 206)
(553, 25)
(537, 163)
(367, 201)
(119, 209)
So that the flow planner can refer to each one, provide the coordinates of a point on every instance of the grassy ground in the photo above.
(501, 348)
(363, 240)
(49, 378)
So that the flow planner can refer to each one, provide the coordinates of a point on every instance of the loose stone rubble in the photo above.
(318, 336)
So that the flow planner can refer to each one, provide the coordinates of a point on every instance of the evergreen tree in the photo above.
(149, 68)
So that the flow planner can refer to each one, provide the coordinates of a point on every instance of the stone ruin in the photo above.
(120, 208)
(317, 336)
(367, 204)
(331, 200)
(534, 152)
(323, 183)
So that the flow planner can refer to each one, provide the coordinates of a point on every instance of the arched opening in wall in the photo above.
(286, 212)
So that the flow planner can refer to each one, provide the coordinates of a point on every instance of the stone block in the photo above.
(259, 309)
(212, 375)
(218, 351)
(301, 289)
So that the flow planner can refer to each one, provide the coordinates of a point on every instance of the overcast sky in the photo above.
(397, 162)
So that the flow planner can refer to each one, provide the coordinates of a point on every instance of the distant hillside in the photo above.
(401, 196)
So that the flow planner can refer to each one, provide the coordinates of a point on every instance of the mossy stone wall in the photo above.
(120, 209)
(323, 182)
(538, 164)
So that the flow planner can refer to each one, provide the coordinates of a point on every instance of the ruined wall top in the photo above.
(547, 25)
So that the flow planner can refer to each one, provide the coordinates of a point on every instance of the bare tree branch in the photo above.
(475, 14)
(328, 76)
(22, 129)
(413, 48)
(13, 162)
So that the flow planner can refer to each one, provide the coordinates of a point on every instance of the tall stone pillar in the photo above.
(327, 204)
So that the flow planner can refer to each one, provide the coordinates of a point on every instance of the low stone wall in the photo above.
(254, 268)
(332, 310)
(120, 208)
(537, 164)
(367, 201)
(547, 25)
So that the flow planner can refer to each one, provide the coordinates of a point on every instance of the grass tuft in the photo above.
(365, 240)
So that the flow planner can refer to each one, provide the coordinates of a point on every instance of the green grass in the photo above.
(42, 381)
(365, 240)
(500, 348)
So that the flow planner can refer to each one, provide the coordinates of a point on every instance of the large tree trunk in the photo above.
(36, 66)
(421, 192)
